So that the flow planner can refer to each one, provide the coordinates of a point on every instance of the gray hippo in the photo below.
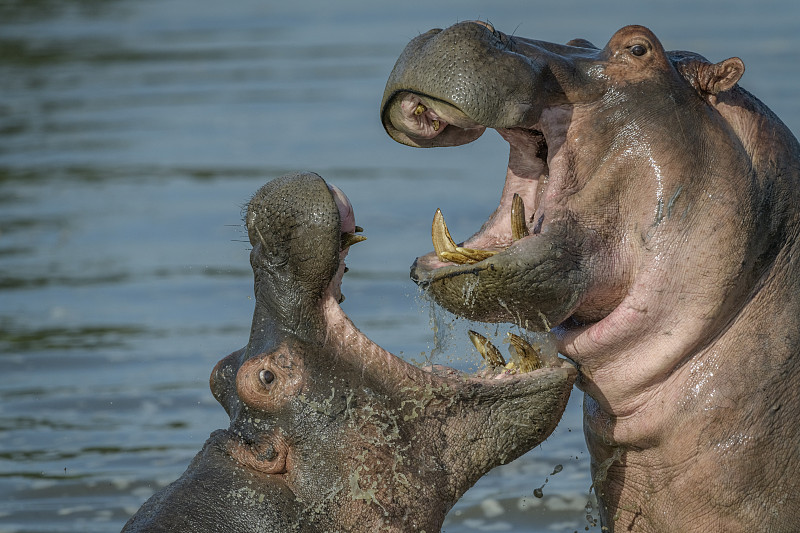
(650, 217)
(329, 432)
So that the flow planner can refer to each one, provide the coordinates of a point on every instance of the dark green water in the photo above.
(132, 132)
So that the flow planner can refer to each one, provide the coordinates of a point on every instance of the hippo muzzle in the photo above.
(328, 431)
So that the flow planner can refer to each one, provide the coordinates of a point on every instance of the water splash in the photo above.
(539, 492)
(451, 346)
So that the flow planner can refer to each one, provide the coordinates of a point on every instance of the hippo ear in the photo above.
(719, 77)
(582, 43)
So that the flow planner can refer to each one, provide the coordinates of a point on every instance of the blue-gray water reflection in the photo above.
(132, 132)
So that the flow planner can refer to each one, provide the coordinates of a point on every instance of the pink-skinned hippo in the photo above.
(650, 218)
(329, 432)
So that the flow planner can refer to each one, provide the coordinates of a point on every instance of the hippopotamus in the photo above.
(328, 431)
(649, 218)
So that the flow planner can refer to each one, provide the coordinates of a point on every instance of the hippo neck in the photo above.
(749, 260)
(724, 418)
(725, 413)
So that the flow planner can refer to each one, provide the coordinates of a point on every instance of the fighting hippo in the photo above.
(329, 432)
(650, 218)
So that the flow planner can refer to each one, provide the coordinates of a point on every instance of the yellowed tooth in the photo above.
(359, 229)
(436, 125)
(445, 247)
(489, 352)
(419, 110)
(442, 241)
(349, 239)
(473, 255)
(455, 257)
(518, 227)
(525, 356)
(464, 256)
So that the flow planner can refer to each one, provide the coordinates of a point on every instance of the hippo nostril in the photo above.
(266, 377)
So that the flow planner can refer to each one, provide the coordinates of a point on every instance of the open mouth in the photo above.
(526, 355)
(427, 121)
(517, 217)
(523, 265)
(350, 236)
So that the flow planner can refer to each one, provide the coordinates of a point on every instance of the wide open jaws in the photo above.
(289, 221)
(522, 254)
(520, 214)
(420, 120)
(349, 230)
(527, 356)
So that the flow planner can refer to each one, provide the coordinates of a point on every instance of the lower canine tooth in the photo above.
(518, 227)
(488, 351)
(454, 257)
(435, 125)
(474, 255)
(442, 241)
(525, 356)
(445, 247)
(349, 239)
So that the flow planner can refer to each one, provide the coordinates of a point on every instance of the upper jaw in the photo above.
(422, 121)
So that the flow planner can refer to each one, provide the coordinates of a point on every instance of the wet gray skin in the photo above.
(328, 431)
(659, 239)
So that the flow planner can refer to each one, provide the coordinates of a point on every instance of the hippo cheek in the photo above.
(224, 497)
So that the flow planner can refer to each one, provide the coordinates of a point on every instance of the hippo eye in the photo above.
(266, 377)
(638, 50)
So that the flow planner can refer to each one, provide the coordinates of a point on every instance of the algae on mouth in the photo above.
(377, 475)
(429, 394)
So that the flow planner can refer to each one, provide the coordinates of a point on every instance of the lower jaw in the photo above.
(340, 326)
(429, 268)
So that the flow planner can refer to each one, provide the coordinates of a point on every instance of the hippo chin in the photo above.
(329, 432)
(650, 215)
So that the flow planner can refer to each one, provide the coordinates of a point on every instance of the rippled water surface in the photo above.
(131, 134)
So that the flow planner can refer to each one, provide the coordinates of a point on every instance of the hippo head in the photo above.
(329, 432)
(606, 146)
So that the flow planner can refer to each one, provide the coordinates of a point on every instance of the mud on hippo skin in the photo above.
(329, 432)
(650, 215)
